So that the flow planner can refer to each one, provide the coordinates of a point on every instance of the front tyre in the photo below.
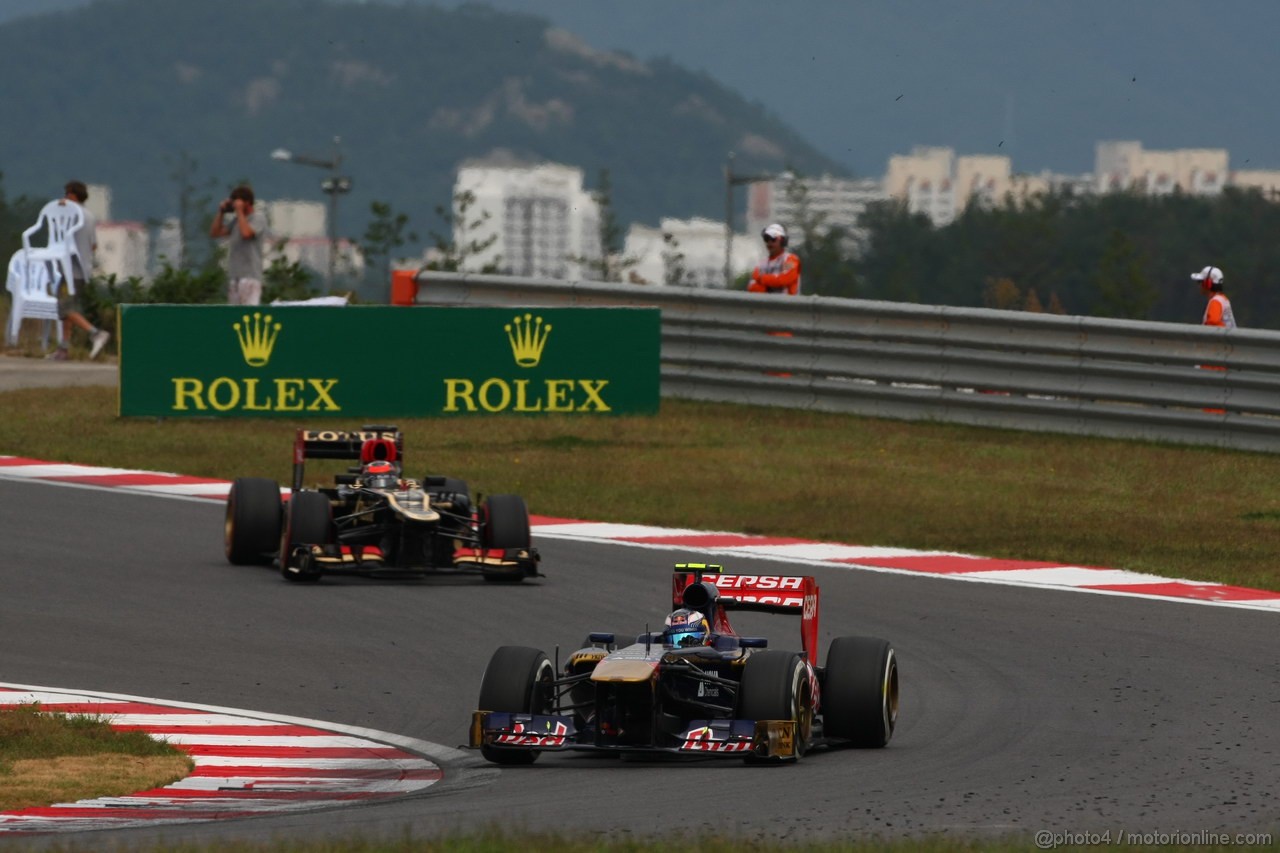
(308, 521)
(505, 522)
(860, 691)
(776, 686)
(251, 531)
(504, 525)
(518, 681)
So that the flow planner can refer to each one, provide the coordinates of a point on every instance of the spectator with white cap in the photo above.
(780, 273)
(1218, 311)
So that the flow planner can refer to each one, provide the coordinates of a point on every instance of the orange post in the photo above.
(404, 287)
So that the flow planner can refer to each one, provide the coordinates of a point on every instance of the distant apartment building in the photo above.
(1126, 165)
(543, 222)
(123, 251)
(937, 183)
(1266, 181)
(687, 253)
(123, 248)
(298, 233)
(794, 202)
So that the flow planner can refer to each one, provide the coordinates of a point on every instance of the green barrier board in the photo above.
(382, 362)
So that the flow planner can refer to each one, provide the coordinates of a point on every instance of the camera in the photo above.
(228, 206)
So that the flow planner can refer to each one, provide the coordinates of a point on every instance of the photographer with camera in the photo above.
(246, 229)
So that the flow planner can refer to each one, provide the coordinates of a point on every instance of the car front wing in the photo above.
(774, 739)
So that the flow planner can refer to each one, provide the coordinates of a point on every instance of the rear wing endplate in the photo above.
(795, 595)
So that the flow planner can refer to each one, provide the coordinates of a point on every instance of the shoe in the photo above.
(58, 355)
(99, 341)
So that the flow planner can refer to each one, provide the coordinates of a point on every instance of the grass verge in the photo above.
(55, 758)
(1189, 512)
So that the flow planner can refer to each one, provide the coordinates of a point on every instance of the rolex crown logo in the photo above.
(528, 336)
(257, 338)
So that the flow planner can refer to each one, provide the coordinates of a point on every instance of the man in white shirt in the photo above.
(70, 311)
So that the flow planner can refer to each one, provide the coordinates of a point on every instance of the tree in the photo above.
(674, 271)
(1123, 288)
(384, 234)
(451, 252)
(285, 280)
(194, 203)
(610, 264)
(16, 216)
(1003, 294)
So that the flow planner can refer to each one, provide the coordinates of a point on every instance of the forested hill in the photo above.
(122, 92)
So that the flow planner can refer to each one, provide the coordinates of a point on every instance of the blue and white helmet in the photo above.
(687, 628)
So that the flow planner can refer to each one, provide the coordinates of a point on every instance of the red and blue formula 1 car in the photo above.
(696, 688)
(374, 520)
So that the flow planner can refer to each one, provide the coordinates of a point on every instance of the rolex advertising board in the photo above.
(377, 361)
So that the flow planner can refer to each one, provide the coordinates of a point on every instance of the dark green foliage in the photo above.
(826, 266)
(384, 234)
(101, 296)
(610, 264)
(16, 215)
(1123, 290)
(674, 270)
(1118, 255)
(284, 280)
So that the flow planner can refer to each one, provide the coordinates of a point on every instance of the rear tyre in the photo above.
(251, 532)
(517, 680)
(775, 686)
(308, 521)
(860, 691)
(504, 524)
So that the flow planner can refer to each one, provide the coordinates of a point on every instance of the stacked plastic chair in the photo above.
(35, 271)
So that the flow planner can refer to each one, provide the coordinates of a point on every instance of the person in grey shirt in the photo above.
(70, 311)
(246, 230)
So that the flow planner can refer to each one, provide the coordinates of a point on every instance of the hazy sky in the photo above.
(1039, 80)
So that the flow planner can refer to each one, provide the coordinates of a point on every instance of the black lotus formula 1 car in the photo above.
(374, 521)
(697, 688)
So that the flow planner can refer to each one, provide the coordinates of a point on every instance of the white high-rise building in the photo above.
(546, 225)
(831, 202)
(688, 253)
(122, 249)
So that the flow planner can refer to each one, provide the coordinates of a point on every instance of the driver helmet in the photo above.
(380, 474)
(687, 628)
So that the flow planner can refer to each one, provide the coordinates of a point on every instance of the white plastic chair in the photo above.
(60, 219)
(29, 284)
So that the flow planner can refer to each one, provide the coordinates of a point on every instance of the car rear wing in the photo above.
(374, 441)
(707, 585)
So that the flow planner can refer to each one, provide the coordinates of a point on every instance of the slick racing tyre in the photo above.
(517, 680)
(860, 691)
(504, 524)
(775, 686)
(309, 521)
(251, 531)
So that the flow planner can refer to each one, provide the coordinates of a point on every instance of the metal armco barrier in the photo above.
(1079, 375)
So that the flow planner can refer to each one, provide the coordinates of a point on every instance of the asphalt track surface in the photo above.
(1022, 709)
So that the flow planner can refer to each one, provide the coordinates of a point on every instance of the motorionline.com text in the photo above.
(1047, 840)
